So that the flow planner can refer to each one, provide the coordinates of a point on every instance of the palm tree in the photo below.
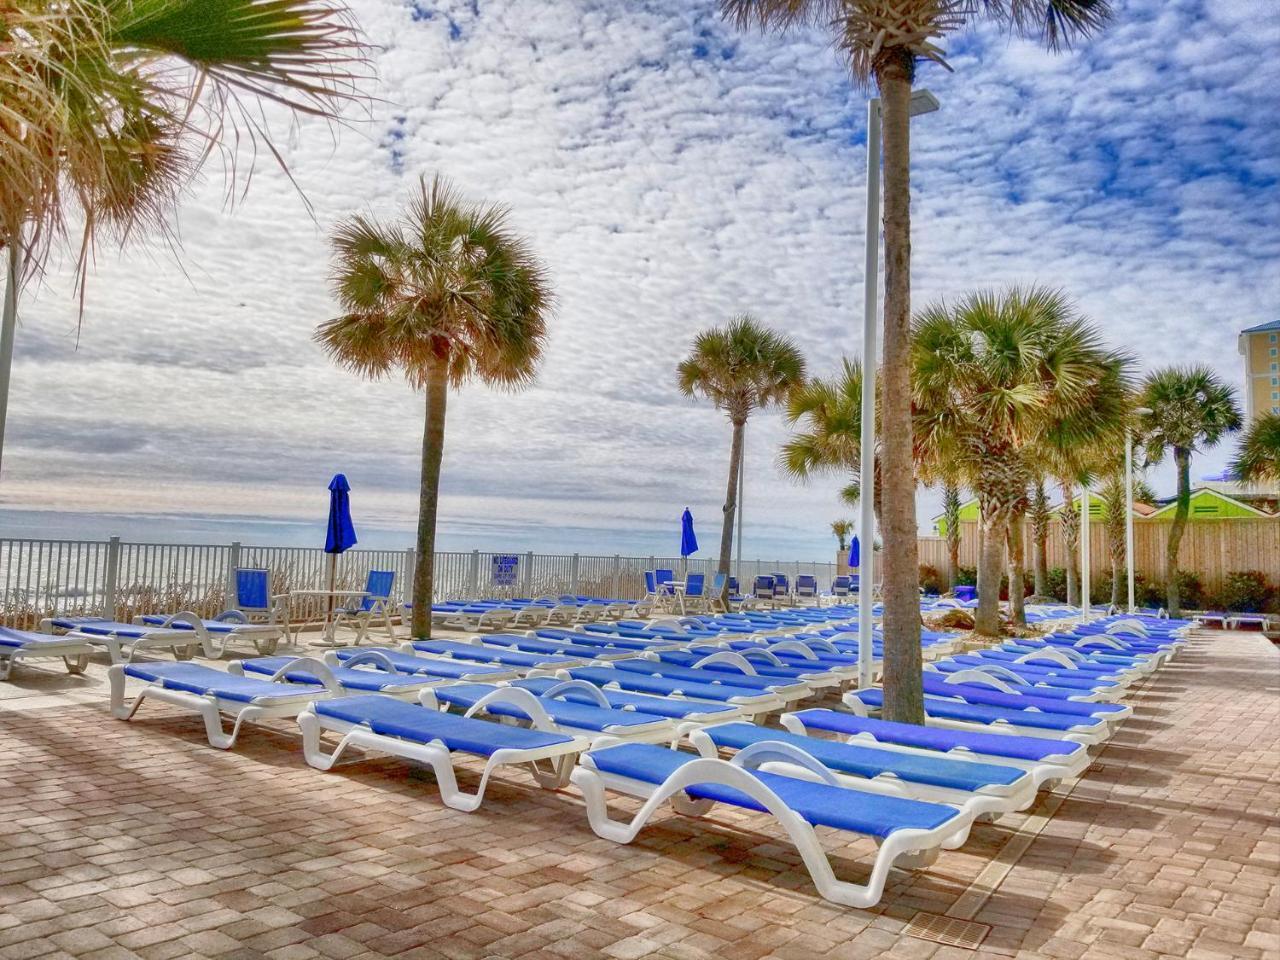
(951, 516)
(1258, 459)
(886, 40)
(842, 529)
(831, 411)
(108, 108)
(1192, 408)
(1114, 497)
(993, 375)
(444, 295)
(1039, 516)
(740, 368)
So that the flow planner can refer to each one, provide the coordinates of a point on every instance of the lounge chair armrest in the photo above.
(313, 667)
(517, 697)
(232, 616)
(559, 690)
(729, 657)
(376, 657)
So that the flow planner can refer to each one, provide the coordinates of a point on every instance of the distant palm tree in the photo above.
(1039, 517)
(1113, 496)
(993, 375)
(831, 412)
(842, 529)
(1192, 408)
(740, 368)
(1258, 459)
(444, 295)
(951, 517)
(886, 40)
(109, 107)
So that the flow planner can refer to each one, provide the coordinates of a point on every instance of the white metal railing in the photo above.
(119, 579)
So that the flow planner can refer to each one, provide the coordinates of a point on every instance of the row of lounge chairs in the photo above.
(601, 706)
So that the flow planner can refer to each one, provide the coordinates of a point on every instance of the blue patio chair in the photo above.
(254, 598)
(781, 588)
(842, 586)
(806, 587)
(375, 605)
(695, 590)
(763, 589)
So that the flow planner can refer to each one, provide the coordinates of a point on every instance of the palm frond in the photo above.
(1258, 459)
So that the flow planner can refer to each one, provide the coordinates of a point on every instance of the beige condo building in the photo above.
(1260, 347)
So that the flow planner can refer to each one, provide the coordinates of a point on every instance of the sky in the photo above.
(671, 172)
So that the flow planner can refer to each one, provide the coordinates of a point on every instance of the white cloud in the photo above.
(666, 191)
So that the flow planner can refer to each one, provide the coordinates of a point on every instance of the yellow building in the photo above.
(1260, 347)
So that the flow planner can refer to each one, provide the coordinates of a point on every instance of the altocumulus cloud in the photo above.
(672, 172)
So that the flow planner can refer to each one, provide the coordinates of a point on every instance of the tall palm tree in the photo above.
(951, 516)
(842, 529)
(885, 40)
(1114, 497)
(109, 107)
(831, 412)
(1015, 543)
(1258, 459)
(1192, 408)
(992, 376)
(445, 294)
(1039, 517)
(740, 368)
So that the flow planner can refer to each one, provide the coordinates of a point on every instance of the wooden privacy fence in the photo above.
(1210, 548)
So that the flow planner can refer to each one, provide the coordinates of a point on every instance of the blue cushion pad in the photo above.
(976, 713)
(761, 666)
(101, 628)
(991, 697)
(554, 647)
(571, 714)
(870, 761)
(395, 718)
(468, 651)
(9, 637)
(647, 683)
(818, 803)
(701, 675)
(193, 678)
(371, 681)
(939, 738)
(656, 706)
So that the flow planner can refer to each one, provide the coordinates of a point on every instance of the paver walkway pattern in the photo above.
(138, 839)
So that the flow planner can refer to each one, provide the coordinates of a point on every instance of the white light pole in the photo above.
(922, 101)
(1128, 502)
(1085, 605)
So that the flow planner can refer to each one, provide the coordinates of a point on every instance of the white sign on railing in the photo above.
(505, 566)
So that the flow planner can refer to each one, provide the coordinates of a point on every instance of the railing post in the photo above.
(112, 579)
(473, 585)
(527, 579)
(233, 561)
(410, 566)
(573, 576)
(617, 577)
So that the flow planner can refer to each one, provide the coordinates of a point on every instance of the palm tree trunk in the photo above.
(990, 561)
(1070, 520)
(428, 499)
(9, 329)
(731, 500)
(1181, 457)
(903, 686)
(1017, 572)
(951, 511)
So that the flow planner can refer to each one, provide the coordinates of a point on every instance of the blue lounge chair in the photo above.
(752, 702)
(785, 688)
(753, 662)
(945, 712)
(497, 656)
(909, 831)
(978, 789)
(590, 720)
(430, 737)
(437, 668)
(368, 672)
(123, 640)
(213, 694)
(216, 634)
(807, 587)
(685, 711)
(375, 605)
(1047, 761)
(16, 645)
(978, 688)
(842, 587)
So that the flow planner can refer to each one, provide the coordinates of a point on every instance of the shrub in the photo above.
(966, 576)
(1244, 591)
(1055, 581)
(931, 580)
(1190, 591)
(1148, 593)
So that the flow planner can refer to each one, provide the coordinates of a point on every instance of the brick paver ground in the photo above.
(138, 840)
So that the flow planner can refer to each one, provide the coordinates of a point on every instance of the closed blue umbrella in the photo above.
(342, 532)
(855, 552)
(341, 535)
(688, 540)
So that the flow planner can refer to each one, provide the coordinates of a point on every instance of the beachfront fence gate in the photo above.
(120, 579)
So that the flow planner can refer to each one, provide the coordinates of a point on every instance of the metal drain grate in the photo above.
(954, 933)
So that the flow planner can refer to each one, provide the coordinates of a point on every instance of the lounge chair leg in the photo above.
(6, 664)
(75, 665)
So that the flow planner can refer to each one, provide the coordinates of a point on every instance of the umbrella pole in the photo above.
(328, 611)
